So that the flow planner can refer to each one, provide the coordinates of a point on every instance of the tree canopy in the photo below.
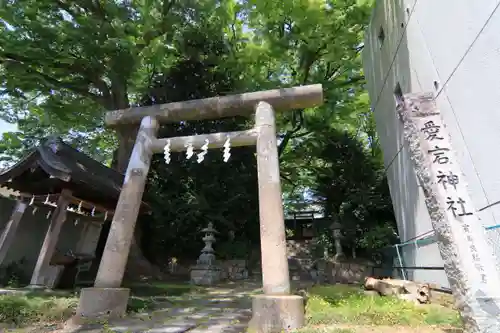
(64, 63)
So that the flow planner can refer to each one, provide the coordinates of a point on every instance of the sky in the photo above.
(6, 127)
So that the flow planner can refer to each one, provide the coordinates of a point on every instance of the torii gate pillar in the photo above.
(276, 310)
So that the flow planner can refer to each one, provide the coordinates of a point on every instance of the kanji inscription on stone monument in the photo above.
(469, 261)
(439, 155)
(431, 131)
(457, 206)
(457, 200)
(448, 179)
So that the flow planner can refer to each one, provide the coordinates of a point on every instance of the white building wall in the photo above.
(451, 48)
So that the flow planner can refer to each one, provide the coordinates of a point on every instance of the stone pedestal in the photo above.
(53, 276)
(48, 278)
(102, 302)
(276, 313)
(205, 275)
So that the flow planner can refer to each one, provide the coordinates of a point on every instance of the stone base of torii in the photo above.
(274, 311)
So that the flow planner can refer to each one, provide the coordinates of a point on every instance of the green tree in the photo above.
(65, 62)
(91, 56)
(212, 191)
(62, 64)
(301, 42)
(352, 187)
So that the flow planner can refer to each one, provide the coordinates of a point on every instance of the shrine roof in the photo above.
(55, 165)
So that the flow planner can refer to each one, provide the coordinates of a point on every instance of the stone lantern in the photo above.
(337, 237)
(206, 271)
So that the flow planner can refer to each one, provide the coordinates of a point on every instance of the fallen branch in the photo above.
(405, 290)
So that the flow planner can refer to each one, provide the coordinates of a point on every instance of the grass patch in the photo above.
(341, 304)
(136, 304)
(161, 289)
(20, 310)
(53, 307)
(327, 330)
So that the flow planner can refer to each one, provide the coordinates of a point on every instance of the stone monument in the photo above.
(469, 261)
(337, 238)
(206, 271)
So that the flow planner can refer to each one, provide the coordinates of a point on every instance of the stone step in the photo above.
(303, 262)
(303, 253)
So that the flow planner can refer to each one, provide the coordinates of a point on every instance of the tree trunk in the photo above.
(138, 267)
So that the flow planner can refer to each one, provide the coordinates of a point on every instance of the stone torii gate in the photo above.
(276, 309)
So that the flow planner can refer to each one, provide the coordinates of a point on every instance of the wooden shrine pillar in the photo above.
(9, 232)
(43, 272)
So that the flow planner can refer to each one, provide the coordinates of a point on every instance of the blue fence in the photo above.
(492, 232)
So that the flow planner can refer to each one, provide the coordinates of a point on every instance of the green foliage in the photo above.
(322, 329)
(213, 191)
(344, 173)
(12, 275)
(87, 57)
(149, 289)
(28, 309)
(140, 304)
(63, 63)
(229, 250)
(44, 307)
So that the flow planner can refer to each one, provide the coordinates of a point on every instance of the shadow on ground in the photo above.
(159, 288)
(225, 308)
